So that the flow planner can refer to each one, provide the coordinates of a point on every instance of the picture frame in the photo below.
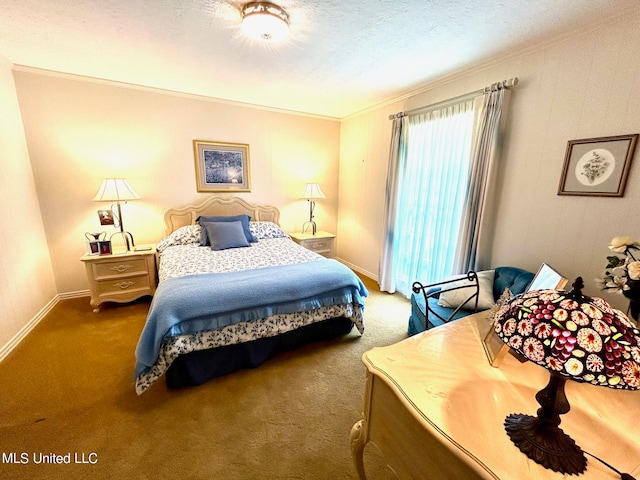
(597, 167)
(106, 217)
(104, 247)
(494, 348)
(93, 241)
(93, 247)
(546, 278)
(221, 166)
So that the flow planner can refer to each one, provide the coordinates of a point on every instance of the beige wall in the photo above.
(364, 152)
(80, 131)
(26, 277)
(583, 87)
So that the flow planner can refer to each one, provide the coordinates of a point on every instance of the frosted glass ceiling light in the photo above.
(265, 21)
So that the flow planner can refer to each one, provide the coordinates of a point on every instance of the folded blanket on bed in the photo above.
(211, 301)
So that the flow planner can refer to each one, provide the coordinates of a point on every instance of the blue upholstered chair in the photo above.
(515, 279)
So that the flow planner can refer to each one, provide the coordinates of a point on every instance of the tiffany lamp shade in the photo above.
(574, 337)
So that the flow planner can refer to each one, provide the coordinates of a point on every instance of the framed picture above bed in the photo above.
(221, 167)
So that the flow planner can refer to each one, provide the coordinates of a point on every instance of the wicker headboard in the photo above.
(175, 218)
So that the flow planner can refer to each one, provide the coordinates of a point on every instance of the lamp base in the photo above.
(311, 224)
(127, 237)
(545, 444)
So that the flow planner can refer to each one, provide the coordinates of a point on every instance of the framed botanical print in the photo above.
(221, 167)
(597, 166)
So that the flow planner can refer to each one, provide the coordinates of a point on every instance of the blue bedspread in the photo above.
(212, 301)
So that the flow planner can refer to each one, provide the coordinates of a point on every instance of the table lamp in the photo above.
(573, 336)
(311, 191)
(117, 190)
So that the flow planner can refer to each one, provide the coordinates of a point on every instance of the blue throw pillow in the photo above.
(223, 235)
(244, 219)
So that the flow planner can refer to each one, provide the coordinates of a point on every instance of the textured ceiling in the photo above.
(342, 55)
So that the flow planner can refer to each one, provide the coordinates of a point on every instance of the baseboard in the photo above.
(355, 268)
(77, 294)
(24, 331)
(31, 324)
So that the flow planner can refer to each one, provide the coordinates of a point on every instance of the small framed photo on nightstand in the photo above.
(104, 247)
(93, 247)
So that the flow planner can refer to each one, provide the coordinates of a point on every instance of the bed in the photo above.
(233, 290)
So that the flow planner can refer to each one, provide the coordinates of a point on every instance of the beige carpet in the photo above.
(67, 389)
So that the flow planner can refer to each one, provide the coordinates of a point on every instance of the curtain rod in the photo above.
(510, 83)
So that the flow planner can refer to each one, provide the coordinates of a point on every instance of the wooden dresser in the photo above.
(435, 409)
(122, 276)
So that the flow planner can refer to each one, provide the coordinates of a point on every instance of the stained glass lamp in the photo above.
(574, 337)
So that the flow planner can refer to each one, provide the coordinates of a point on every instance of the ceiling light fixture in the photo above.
(265, 21)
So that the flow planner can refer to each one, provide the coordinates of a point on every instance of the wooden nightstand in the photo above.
(121, 277)
(321, 242)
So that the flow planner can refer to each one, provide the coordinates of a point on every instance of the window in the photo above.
(433, 175)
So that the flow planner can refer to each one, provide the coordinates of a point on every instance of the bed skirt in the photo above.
(196, 368)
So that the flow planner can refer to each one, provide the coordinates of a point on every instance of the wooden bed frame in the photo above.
(175, 218)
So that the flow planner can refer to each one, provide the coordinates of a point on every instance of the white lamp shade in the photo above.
(114, 190)
(313, 190)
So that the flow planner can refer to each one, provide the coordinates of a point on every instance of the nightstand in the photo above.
(122, 276)
(321, 242)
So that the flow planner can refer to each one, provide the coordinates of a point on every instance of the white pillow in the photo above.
(262, 230)
(182, 236)
(453, 298)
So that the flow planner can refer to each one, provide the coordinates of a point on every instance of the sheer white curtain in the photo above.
(476, 234)
(425, 194)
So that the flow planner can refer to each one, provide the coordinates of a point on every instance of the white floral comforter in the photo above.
(184, 256)
(178, 261)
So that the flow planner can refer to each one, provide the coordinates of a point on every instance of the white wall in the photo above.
(583, 87)
(80, 131)
(26, 277)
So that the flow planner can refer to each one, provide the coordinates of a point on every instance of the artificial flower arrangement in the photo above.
(622, 274)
